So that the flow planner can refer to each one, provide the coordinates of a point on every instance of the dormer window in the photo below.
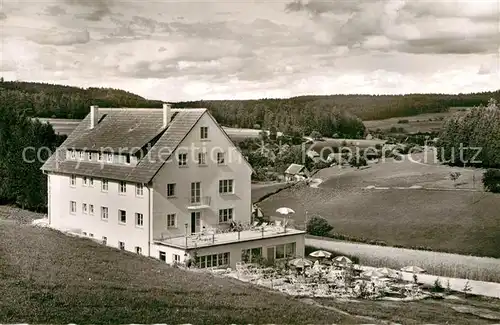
(72, 154)
(127, 159)
(110, 157)
(99, 156)
(81, 154)
(89, 155)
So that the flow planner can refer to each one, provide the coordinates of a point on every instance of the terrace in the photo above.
(217, 237)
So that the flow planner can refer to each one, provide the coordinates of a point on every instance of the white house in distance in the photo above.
(163, 183)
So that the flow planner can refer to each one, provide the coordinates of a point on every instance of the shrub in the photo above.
(318, 226)
(491, 180)
(315, 135)
(437, 287)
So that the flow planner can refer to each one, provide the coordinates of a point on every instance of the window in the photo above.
(196, 192)
(104, 240)
(221, 158)
(109, 157)
(84, 233)
(72, 154)
(84, 208)
(84, 180)
(72, 180)
(163, 256)
(72, 206)
(121, 245)
(138, 250)
(89, 155)
(290, 250)
(139, 189)
(280, 251)
(99, 156)
(104, 213)
(176, 258)
(225, 215)
(91, 235)
(127, 159)
(182, 159)
(82, 156)
(104, 185)
(122, 187)
(215, 260)
(171, 220)
(122, 216)
(284, 251)
(139, 219)
(204, 132)
(226, 186)
(251, 255)
(170, 190)
(91, 181)
(91, 209)
(202, 158)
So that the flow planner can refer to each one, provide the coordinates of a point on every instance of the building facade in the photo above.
(166, 183)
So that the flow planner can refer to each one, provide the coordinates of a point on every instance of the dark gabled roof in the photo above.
(119, 128)
(148, 122)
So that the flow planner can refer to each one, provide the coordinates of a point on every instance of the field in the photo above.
(47, 277)
(442, 215)
(417, 123)
(436, 263)
(261, 190)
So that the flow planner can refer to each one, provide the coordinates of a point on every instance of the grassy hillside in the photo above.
(47, 277)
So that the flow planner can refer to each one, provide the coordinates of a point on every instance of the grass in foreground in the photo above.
(47, 277)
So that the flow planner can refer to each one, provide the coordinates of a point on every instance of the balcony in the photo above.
(199, 202)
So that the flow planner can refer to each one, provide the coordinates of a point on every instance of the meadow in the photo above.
(442, 215)
(48, 277)
(429, 122)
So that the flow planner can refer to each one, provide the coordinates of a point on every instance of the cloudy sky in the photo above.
(188, 50)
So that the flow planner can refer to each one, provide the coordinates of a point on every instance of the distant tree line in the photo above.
(339, 115)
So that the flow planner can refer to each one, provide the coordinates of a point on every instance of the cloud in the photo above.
(254, 49)
(59, 37)
(96, 10)
(54, 11)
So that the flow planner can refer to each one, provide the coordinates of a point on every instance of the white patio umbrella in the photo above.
(342, 260)
(387, 272)
(372, 274)
(285, 211)
(300, 262)
(321, 254)
(413, 269)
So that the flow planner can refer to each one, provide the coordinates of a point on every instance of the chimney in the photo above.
(94, 116)
(166, 114)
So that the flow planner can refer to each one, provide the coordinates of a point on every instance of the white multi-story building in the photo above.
(162, 183)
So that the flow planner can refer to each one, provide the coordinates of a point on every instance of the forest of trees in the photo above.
(21, 180)
(472, 138)
(328, 115)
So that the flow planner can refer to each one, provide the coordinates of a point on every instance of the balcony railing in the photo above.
(198, 202)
